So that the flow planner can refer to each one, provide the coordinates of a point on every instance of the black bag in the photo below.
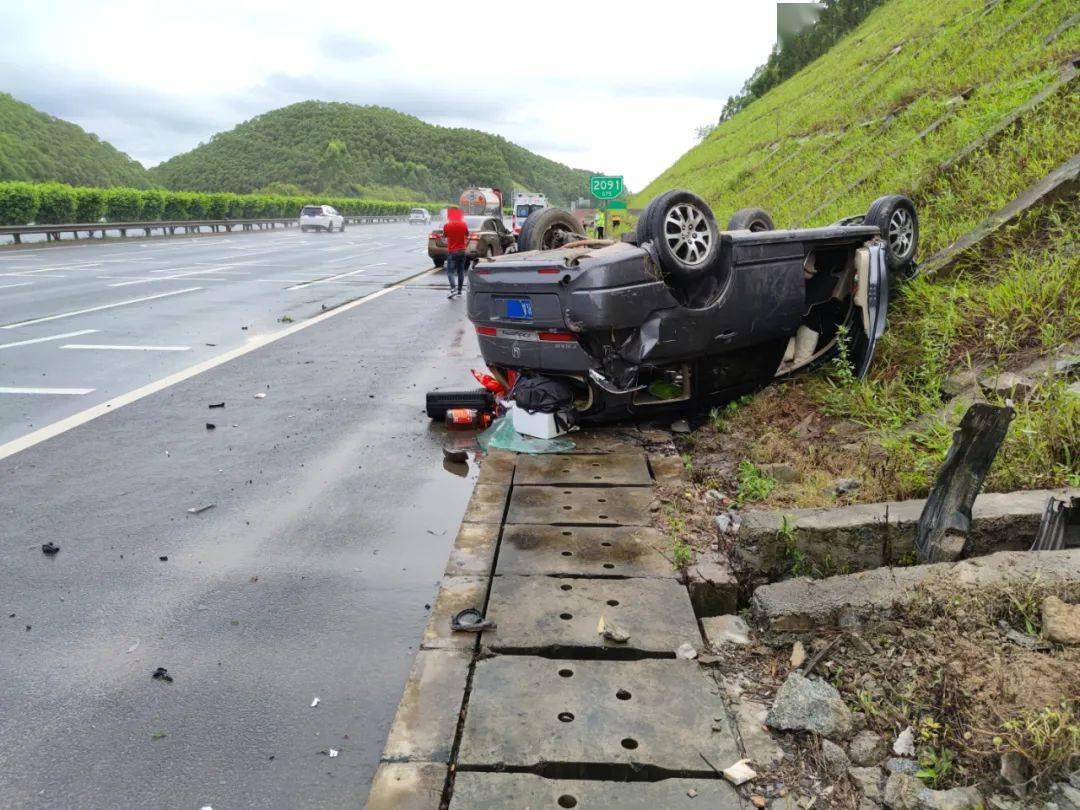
(542, 395)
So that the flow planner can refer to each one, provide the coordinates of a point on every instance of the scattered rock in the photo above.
(904, 792)
(691, 793)
(904, 745)
(686, 651)
(842, 486)
(805, 705)
(1065, 796)
(901, 765)
(654, 506)
(1061, 621)
(757, 800)
(613, 632)
(798, 655)
(784, 473)
(740, 772)
(1006, 385)
(723, 522)
(867, 748)
(835, 759)
(714, 495)
(680, 426)
(1014, 772)
(760, 747)
(211, 426)
(870, 781)
(727, 629)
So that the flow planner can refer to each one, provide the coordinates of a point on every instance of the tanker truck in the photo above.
(481, 201)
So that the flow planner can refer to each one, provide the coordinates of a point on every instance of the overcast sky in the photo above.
(619, 92)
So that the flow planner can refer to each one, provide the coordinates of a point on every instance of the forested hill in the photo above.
(37, 147)
(348, 149)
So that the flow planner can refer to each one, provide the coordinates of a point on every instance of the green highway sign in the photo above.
(604, 187)
(617, 205)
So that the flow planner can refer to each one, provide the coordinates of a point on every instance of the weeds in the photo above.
(681, 555)
(753, 484)
(1048, 739)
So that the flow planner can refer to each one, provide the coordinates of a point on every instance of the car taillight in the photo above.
(548, 270)
(435, 235)
(559, 337)
(486, 330)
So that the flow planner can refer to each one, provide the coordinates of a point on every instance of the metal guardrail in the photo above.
(169, 228)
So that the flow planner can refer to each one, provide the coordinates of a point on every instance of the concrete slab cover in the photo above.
(614, 506)
(407, 786)
(455, 594)
(524, 711)
(495, 791)
(487, 504)
(497, 467)
(474, 549)
(614, 469)
(427, 716)
(624, 551)
(542, 612)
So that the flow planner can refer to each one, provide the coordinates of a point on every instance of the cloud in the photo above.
(345, 47)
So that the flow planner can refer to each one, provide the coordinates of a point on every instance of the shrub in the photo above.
(89, 204)
(217, 206)
(197, 205)
(18, 203)
(153, 204)
(123, 204)
(176, 206)
(56, 204)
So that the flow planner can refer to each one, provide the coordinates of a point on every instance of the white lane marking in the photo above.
(167, 278)
(46, 339)
(17, 324)
(67, 391)
(126, 348)
(24, 274)
(256, 342)
(20, 284)
(156, 278)
(333, 278)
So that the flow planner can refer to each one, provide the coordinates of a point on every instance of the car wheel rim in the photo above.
(901, 232)
(687, 233)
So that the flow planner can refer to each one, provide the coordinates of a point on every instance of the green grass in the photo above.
(896, 106)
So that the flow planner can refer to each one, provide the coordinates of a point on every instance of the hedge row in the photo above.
(52, 203)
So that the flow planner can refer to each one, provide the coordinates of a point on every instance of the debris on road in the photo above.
(164, 558)
(333, 753)
(260, 395)
(216, 405)
(162, 674)
(612, 632)
(49, 549)
(904, 745)
(133, 647)
(314, 702)
(158, 735)
(195, 510)
(686, 651)
(470, 620)
(211, 426)
(739, 772)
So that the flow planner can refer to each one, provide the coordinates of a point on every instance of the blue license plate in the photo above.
(519, 309)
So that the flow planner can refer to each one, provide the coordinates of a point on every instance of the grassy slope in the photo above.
(385, 148)
(852, 126)
(37, 147)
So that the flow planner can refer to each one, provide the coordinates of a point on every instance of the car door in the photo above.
(872, 301)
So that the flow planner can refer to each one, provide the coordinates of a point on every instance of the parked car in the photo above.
(321, 218)
(681, 315)
(488, 236)
(419, 216)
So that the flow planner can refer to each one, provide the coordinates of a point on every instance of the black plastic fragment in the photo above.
(162, 674)
(49, 548)
(470, 620)
(216, 405)
(210, 426)
(946, 518)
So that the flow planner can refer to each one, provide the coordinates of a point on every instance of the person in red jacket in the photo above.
(457, 234)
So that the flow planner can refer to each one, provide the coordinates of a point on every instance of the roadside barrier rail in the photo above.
(169, 228)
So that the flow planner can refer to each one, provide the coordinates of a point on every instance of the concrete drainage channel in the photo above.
(544, 711)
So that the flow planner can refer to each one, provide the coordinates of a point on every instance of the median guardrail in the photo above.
(168, 228)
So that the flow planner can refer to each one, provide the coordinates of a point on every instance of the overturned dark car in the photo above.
(681, 315)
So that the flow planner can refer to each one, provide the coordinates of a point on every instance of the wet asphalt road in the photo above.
(331, 522)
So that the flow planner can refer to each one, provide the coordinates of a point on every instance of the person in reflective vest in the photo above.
(600, 222)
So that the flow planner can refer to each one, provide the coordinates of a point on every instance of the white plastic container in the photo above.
(539, 425)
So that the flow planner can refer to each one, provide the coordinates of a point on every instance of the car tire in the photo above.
(751, 219)
(684, 234)
(343, 225)
(895, 218)
(542, 230)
